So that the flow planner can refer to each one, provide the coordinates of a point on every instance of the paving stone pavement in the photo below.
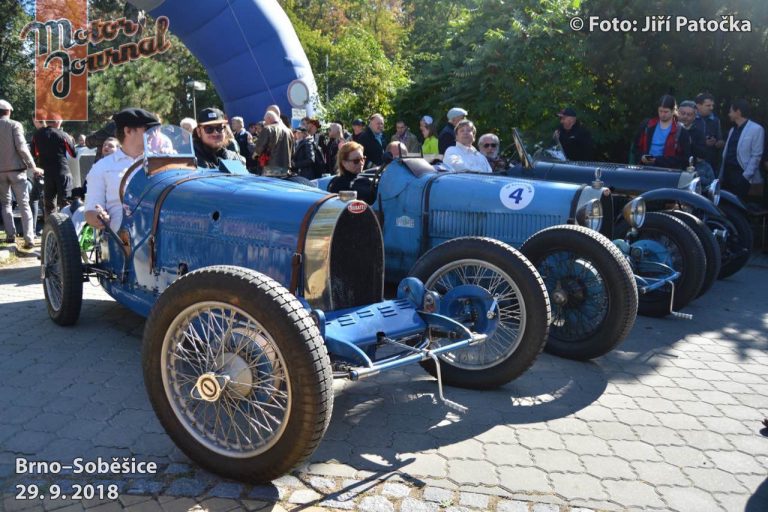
(668, 421)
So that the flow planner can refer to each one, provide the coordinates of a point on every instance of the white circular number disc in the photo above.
(516, 195)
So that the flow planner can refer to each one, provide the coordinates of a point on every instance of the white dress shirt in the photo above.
(104, 186)
(466, 158)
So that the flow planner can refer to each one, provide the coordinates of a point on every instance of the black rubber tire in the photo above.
(519, 270)
(708, 243)
(619, 286)
(742, 238)
(59, 235)
(693, 264)
(301, 180)
(299, 342)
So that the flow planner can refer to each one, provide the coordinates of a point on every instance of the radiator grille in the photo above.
(513, 228)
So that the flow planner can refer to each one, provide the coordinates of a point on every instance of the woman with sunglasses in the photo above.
(350, 162)
(209, 139)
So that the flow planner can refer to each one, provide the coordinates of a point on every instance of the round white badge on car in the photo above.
(516, 195)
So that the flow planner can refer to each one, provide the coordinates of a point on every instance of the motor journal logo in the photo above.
(61, 35)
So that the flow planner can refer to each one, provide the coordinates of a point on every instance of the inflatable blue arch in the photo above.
(248, 47)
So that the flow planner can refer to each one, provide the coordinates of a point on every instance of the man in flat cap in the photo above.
(575, 140)
(15, 163)
(447, 136)
(103, 198)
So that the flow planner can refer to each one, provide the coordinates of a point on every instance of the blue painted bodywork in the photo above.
(422, 209)
(209, 217)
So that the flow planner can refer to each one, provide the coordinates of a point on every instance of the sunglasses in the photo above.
(490, 145)
(355, 160)
(209, 129)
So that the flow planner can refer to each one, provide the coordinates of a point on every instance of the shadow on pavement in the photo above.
(758, 502)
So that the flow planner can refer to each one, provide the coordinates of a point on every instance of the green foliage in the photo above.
(360, 42)
(16, 60)
(510, 65)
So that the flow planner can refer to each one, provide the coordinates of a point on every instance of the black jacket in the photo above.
(209, 159)
(372, 149)
(349, 181)
(304, 157)
(446, 138)
(51, 146)
(577, 143)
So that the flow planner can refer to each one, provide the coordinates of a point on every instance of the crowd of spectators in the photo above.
(677, 137)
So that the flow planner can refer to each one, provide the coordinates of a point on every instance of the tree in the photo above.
(17, 60)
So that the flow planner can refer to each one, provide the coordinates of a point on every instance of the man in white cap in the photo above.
(447, 137)
(15, 162)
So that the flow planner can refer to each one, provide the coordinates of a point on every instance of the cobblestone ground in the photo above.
(669, 421)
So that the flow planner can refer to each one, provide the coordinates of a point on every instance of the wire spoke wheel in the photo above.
(52, 271)
(492, 289)
(510, 310)
(226, 379)
(580, 301)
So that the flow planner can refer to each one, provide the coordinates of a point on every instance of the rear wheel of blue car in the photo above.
(708, 243)
(470, 274)
(679, 248)
(591, 288)
(237, 373)
(737, 247)
(61, 270)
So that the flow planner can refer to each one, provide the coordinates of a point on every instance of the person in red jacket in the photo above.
(661, 141)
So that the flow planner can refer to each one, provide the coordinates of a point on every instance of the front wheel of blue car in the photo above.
(237, 373)
(61, 270)
(591, 287)
(494, 290)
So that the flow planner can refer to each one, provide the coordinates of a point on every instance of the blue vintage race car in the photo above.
(259, 292)
(722, 227)
(557, 226)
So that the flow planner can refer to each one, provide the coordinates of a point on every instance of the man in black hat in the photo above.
(575, 140)
(210, 141)
(102, 202)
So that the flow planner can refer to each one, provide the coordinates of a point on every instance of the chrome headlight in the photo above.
(634, 212)
(591, 215)
(713, 191)
(695, 185)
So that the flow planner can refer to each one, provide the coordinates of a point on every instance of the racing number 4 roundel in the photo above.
(516, 195)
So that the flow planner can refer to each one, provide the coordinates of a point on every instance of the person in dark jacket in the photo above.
(372, 140)
(659, 140)
(51, 145)
(575, 140)
(686, 112)
(447, 136)
(209, 139)
(245, 142)
(358, 125)
(350, 162)
(305, 154)
(709, 124)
